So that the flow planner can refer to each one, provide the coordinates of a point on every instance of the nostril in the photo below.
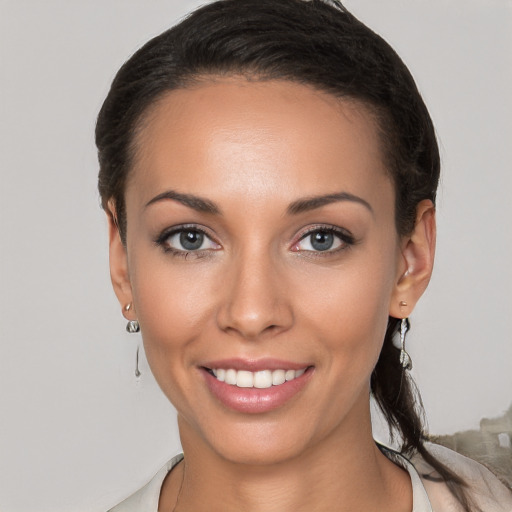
(252, 314)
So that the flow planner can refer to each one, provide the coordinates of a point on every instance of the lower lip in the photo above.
(255, 400)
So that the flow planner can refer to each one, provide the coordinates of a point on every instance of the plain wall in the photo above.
(78, 431)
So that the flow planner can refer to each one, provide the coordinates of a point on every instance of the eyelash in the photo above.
(345, 237)
(162, 239)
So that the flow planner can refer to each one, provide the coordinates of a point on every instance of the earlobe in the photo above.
(417, 253)
(119, 273)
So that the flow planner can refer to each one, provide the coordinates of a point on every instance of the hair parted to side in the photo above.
(317, 43)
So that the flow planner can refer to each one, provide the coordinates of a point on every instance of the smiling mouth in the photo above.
(262, 379)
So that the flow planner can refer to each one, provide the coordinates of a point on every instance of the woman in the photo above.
(269, 170)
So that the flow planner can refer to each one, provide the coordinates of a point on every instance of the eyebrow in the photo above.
(301, 205)
(194, 202)
(311, 203)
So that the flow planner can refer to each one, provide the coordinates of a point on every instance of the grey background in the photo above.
(77, 431)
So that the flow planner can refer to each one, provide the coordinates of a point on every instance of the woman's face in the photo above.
(261, 240)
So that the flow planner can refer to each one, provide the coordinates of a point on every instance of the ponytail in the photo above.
(398, 398)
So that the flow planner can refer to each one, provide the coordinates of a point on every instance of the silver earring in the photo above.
(137, 372)
(405, 358)
(132, 326)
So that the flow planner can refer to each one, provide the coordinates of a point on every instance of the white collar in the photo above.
(420, 501)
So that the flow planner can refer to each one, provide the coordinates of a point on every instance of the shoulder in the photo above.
(146, 498)
(486, 490)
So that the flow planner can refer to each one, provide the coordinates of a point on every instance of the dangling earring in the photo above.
(405, 358)
(137, 372)
(132, 326)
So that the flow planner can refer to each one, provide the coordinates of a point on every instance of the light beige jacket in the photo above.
(428, 495)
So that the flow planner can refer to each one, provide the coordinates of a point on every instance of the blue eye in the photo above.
(186, 240)
(191, 240)
(323, 240)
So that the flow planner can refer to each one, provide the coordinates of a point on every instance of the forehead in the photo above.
(257, 139)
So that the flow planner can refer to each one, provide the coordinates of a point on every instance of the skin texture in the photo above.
(258, 290)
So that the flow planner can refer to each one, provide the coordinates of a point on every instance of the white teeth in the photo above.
(289, 375)
(244, 379)
(278, 377)
(262, 379)
(230, 377)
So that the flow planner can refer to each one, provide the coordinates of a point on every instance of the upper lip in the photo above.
(254, 365)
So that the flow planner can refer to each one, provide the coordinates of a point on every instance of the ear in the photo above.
(119, 266)
(417, 261)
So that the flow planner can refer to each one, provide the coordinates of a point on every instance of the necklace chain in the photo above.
(180, 489)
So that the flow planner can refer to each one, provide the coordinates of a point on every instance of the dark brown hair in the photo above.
(320, 44)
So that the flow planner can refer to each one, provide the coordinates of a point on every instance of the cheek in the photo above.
(348, 308)
(175, 308)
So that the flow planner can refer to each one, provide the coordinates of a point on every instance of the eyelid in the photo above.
(168, 232)
(343, 234)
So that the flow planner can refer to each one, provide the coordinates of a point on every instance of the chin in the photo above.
(260, 450)
(254, 441)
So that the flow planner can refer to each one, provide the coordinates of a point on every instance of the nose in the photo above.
(255, 299)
